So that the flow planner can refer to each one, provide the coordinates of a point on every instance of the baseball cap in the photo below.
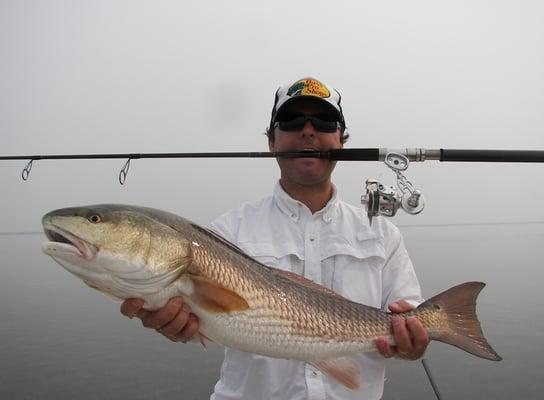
(307, 88)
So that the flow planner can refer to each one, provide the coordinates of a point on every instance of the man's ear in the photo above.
(270, 145)
(341, 143)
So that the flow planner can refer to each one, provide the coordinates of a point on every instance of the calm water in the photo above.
(61, 340)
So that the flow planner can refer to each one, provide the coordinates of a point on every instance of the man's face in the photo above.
(305, 171)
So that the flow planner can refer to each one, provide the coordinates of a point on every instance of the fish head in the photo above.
(122, 250)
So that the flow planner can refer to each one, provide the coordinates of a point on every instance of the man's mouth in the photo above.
(312, 150)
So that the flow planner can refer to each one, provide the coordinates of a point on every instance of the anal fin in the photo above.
(342, 370)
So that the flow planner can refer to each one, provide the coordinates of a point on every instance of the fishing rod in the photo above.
(355, 154)
(378, 199)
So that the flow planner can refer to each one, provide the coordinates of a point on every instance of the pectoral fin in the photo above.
(342, 370)
(214, 297)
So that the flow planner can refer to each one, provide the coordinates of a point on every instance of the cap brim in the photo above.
(313, 99)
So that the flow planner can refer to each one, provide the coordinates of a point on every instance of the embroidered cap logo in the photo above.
(308, 87)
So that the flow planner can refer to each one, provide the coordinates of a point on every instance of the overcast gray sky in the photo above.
(173, 76)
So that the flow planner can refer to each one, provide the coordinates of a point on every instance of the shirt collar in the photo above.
(293, 208)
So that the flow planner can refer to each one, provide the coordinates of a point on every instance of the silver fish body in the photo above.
(137, 252)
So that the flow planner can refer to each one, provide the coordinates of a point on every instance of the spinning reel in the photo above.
(386, 200)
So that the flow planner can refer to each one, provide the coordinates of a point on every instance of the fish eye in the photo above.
(94, 218)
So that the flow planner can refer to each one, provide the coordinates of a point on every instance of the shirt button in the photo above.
(312, 239)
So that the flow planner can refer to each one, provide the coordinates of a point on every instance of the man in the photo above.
(305, 228)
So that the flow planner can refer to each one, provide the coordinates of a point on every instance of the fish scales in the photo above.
(279, 312)
(308, 312)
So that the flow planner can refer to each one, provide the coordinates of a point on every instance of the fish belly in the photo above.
(272, 337)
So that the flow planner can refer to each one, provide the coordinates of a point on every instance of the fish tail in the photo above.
(462, 328)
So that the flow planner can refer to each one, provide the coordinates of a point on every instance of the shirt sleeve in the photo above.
(399, 280)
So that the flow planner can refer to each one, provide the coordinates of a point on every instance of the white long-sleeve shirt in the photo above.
(336, 248)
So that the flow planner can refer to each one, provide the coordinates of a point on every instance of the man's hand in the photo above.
(410, 337)
(174, 320)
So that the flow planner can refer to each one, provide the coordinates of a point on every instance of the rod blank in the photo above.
(355, 154)
(250, 154)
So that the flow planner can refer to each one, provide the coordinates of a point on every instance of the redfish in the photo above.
(137, 252)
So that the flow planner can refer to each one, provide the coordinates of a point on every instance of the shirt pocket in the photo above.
(354, 269)
(286, 258)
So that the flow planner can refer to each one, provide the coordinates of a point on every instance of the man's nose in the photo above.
(308, 129)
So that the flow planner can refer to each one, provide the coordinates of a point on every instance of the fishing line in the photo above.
(431, 378)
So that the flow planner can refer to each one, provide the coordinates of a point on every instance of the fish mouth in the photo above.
(65, 242)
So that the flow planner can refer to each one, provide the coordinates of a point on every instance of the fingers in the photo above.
(159, 318)
(174, 320)
(420, 338)
(400, 306)
(131, 307)
(410, 337)
(189, 331)
(402, 337)
(384, 348)
(172, 328)
(183, 327)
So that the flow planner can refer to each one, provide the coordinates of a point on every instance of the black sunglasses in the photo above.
(291, 123)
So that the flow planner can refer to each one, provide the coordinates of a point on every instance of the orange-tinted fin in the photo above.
(215, 298)
(463, 331)
(341, 370)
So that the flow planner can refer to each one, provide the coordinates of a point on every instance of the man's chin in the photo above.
(309, 178)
